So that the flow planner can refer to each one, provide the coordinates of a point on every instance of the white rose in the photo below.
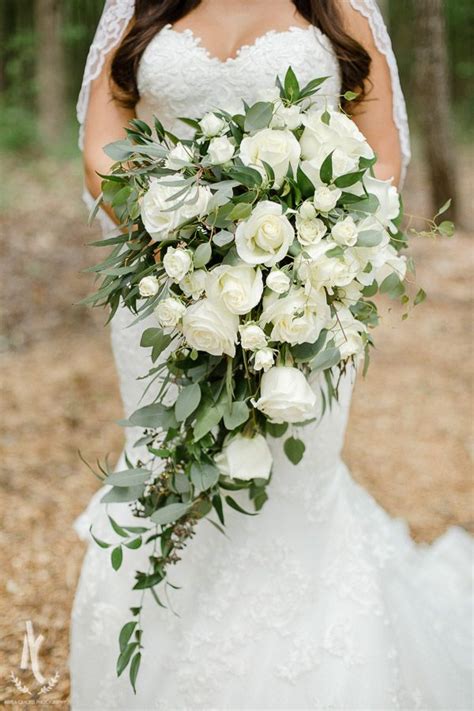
(239, 287)
(266, 236)
(341, 165)
(297, 317)
(309, 231)
(341, 133)
(158, 217)
(148, 286)
(345, 232)
(196, 202)
(307, 211)
(211, 125)
(349, 294)
(388, 197)
(286, 395)
(346, 331)
(278, 148)
(252, 337)
(278, 281)
(178, 157)
(286, 116)
(245, 458)
(320, 271)
(263, 359)
(326, 197)
(169, 312)
(193, 283)
(210, 327)
(220, 150)
(388, 261)
(177, 263)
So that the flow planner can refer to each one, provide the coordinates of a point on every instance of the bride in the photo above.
(325, 604)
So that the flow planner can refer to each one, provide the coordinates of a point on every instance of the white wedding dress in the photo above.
(322, 601)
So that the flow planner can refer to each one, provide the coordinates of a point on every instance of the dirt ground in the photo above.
(408, 439)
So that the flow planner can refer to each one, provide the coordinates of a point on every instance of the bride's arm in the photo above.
(374, 115)
(105, 122)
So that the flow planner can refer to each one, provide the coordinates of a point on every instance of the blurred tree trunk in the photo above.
(50, 69)
(434, 101)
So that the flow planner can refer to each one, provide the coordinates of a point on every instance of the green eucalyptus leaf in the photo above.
(234, 505)
(204, 475)
(134, 668)
(294, 449)
(420, 297)
(156, 415)
(116, 557)
(121, 495)
(446, 228)
(369, 238)
(241, 211)
(170, 513)
(276, 429)
(125, 634)
(326, 359)
(202, 255)
(128, 477)
(236, 414)
(291, 85)
(124, 658)
(325, 172)
(392, 286)
(258, 116)
(187, 401)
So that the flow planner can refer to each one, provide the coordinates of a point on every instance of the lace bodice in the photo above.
(177, 75)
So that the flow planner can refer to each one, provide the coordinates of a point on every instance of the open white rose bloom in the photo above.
(274, 237)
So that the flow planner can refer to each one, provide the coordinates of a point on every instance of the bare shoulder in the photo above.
(356, 25)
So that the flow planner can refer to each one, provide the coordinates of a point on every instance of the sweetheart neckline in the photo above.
(198, 42)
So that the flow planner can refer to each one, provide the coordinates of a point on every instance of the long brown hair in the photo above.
(150, 16)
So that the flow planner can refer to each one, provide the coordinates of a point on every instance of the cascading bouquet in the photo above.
(258, 245)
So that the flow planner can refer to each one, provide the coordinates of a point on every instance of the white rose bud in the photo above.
(245, 458)
(286, 395)
(220, 150)
(278, 281)
(266, 236)
(347, 332)
(263, 359)
(169, 312)
(345, 232)
(148, 286)
(252, 337)
(286, 116)
(210, 327)
(307, 211)
(178, 157)
(177, 263)
(309, 231)
(193, 283)
(326, 197)
(212, 125)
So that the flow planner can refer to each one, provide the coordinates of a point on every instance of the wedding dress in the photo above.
(322, 601)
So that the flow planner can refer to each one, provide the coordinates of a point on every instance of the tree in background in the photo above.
(434, 101)
(50, 69)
